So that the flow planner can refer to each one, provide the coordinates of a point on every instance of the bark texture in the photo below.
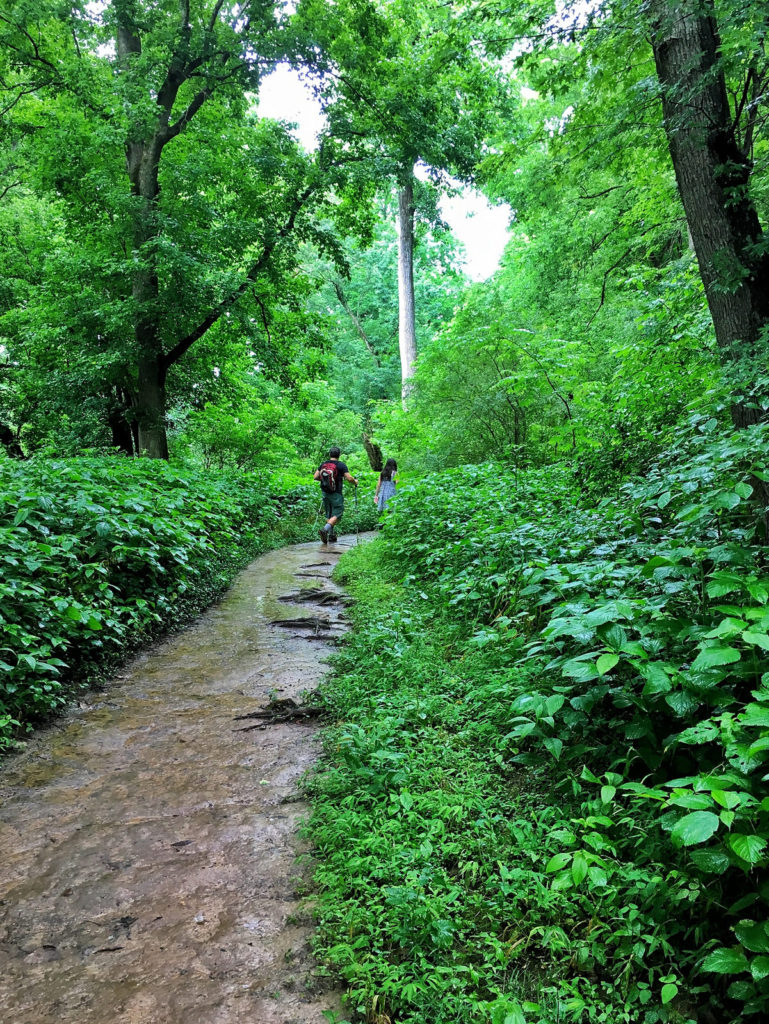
(142, 166)
(713, 175)
(374, 452)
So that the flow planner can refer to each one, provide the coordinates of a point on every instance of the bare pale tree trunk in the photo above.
(407, 334)
(713, 175)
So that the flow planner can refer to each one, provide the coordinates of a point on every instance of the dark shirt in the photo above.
(342, 467)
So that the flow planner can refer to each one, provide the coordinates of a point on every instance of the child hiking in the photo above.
(385, 487)
(332, 473)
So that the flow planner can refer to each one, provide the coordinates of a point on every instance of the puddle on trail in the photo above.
(148, 869)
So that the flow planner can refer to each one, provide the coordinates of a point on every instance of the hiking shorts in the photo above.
(333, 504)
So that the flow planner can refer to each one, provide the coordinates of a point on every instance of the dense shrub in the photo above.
(100, 553)
(596, 690)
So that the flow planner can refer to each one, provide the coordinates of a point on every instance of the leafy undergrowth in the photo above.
(100, 554)
(545, 797)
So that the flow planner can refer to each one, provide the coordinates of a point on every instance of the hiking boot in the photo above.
(332, 538)
(323, 534)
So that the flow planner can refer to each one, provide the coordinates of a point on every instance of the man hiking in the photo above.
(332, 473)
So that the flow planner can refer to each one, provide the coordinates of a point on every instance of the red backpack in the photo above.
(329, 477)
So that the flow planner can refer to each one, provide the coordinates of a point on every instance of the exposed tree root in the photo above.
(310, 622)
(283, 709)
(313, 595)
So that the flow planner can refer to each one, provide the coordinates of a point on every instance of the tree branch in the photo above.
(265, 321)
(617, 263)
(214, 16)
(7, 189)
(555, 390)
(175, 354)
(197, 102)
(356, 322)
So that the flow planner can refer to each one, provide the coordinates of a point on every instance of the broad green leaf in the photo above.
(579, 868)
(554, 703)
(556, 863)
(694, 828)
(704, 732)
(597, 875)
(692, 801)
(616, 637)
(554, 745)
(668, 993)
(755, 714)
(681, 702)
(726, 798)
(753, 936)
(757, 639)
(714, 862)
(759, 967)
(711, 657)
(749, 847)
(580, 670)
(726, 961)
(656, 563)
(727, 627)
(606, 663)
(657, 679)
(515, 1016)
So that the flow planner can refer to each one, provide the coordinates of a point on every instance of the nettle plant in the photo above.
(649, 618)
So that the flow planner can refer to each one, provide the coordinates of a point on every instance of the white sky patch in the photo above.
(482, 228)
(283, 96)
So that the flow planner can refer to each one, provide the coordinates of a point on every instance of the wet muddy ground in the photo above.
(148, 840)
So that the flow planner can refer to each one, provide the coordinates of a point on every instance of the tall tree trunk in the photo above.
(209, 65)
(407, 335)
(713, 175)
(143, 161)
(120, 427)
(374, 452)
(151, 407)
(142, 166)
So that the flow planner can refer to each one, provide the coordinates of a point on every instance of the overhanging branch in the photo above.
(185, 343)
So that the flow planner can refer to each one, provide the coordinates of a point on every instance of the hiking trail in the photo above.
(148, 839)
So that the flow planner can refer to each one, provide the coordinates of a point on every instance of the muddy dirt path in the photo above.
(148, 847)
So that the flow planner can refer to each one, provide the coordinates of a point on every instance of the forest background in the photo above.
(555, 762)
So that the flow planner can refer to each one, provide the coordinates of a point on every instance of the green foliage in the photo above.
(554, 729)
(99, 554)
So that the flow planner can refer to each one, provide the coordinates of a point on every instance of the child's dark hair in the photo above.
(390, 467)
